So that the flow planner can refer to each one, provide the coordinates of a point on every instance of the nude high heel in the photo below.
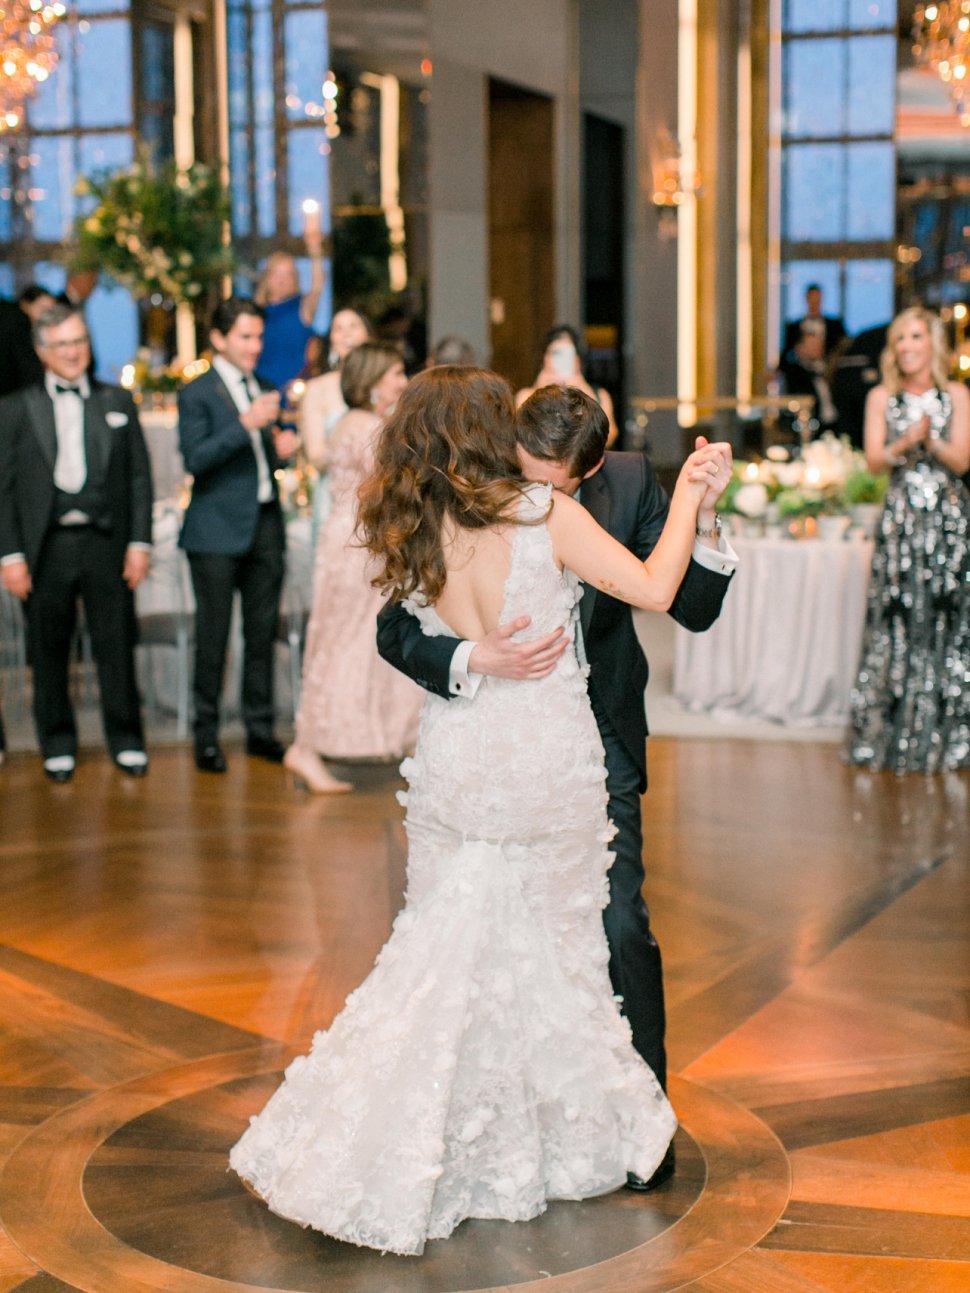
(310, 774)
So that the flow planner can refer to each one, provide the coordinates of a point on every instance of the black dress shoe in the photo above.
(265, 747)
(209, 758)
(133, 763)
(668, 1165)
(59, 775)
(59, 768)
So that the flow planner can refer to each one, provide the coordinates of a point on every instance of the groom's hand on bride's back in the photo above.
(498, 656)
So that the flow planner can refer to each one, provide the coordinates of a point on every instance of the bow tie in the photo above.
(68, 390)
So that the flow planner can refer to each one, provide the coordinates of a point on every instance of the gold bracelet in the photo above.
(714, 532)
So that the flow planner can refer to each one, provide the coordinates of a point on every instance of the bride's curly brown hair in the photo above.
(445, 456)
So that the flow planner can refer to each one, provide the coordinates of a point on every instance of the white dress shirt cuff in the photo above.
(139, 547)
(460, 681)
(12, 559)
(723, 560)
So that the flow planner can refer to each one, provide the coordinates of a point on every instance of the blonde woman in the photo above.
(289, 312)
(353, 705)
(323, 404)
(910, 708)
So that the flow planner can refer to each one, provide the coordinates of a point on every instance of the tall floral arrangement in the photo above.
(157, 230)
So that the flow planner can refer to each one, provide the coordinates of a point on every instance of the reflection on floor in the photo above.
(167, 944)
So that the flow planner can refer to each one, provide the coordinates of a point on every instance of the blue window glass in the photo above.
(814, 15)
(104, 74)
(50, 275)
(51, 189)
(872, 85)
(7, 288)
(262, 65)
(242, 213)
(307, 158)
(795, 278)
(112, 316)
(814, 192)
(265, 182)
(306, 63)
(53, 107)
(101, 6)
(869, 288)
(872, 14)
(238, 62)
(814, 81)
(107, 152)
(871, 190)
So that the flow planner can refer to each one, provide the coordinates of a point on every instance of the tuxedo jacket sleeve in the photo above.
(137, 466)
(423, 658)
(698, 601)
(11, 529)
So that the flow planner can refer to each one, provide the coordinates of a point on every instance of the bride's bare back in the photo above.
(478, 563)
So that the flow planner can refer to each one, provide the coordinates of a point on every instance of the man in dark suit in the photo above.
(827, 327)
(233, 530)
(562, 439)
(76, 520)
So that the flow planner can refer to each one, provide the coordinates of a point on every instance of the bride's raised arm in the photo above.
(584, 547)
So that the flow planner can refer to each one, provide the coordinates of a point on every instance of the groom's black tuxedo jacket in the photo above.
(629, 502)
(216, 448)
(28, 452)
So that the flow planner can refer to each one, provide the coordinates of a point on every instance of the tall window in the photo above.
(282, 118)
(837, 209)
(82, 120)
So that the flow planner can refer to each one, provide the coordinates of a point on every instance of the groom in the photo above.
(562, 439)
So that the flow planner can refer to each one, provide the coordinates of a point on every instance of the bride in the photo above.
(483, 1067)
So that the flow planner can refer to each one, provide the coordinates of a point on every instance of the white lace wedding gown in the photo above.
(483, 1067)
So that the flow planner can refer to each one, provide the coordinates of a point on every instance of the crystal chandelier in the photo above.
(941, 41)
(27, 53)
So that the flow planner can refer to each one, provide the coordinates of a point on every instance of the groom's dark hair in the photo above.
(563, 424)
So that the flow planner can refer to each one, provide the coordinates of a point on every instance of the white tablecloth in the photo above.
(161, 431)
(786, 646)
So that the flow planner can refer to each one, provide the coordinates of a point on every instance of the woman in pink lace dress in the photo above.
(353, 705)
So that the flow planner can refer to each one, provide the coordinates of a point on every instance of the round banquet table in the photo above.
(786, 646)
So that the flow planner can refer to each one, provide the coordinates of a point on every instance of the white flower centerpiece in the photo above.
(804, 496)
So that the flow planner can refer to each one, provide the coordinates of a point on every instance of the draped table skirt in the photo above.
(786, 646)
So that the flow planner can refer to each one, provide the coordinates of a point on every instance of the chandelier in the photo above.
(941, 41)
(27, 53)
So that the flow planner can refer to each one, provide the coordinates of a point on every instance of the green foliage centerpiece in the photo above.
(158, 230)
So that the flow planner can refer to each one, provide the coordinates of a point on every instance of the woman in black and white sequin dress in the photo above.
(910, 708)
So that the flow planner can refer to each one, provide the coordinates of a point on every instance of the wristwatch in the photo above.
(715, 530)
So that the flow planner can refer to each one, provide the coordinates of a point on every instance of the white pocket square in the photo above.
(116, 419)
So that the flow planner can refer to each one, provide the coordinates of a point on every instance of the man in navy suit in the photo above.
(233, 530)
(562, 439)
(76, 520)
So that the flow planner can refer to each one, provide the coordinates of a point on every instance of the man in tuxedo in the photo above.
(562, 437)
(76, 520)
(233, 529)
(829, 329)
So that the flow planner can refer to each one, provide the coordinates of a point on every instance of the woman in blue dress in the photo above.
(289, 313)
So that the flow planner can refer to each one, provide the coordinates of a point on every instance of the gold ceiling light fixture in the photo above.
(941, 41)
(28, 53)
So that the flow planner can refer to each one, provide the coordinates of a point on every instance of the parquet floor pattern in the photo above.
(166, 945)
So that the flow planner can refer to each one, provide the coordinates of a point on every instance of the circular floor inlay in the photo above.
(144, 1197)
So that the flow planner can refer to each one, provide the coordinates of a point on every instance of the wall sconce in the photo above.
(671, 183)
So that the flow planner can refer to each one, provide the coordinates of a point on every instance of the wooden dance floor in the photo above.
(166, 945)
